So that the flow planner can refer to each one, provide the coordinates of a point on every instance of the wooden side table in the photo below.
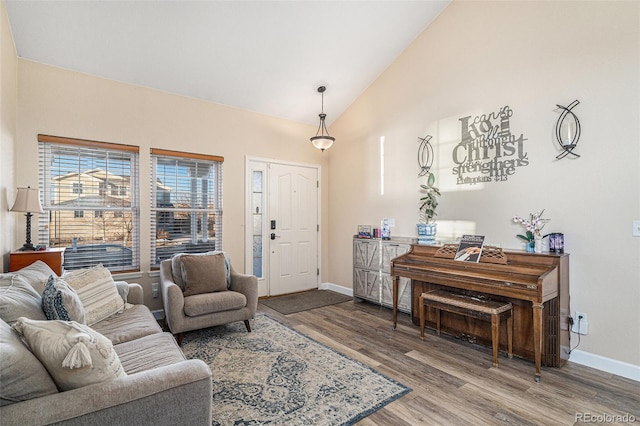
(52, 257)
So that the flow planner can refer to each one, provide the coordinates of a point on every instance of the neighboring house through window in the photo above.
(186, 204)
(79, 176)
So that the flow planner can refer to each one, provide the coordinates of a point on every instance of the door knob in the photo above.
(274, 236)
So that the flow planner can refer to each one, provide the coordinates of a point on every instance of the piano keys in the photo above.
(536, 284)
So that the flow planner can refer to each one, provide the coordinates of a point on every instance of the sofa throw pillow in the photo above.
(37, 274)
(22, 376)
(61, 302)
(18, 299)
(97, 292)
(73, 353)
(203, 274)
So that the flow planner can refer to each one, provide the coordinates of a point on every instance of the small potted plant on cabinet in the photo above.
(428, 205)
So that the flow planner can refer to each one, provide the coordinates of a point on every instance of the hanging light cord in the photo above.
(322, 126)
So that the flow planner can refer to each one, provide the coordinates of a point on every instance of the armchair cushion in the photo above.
(201, 304)
(176, 267)
(203, 274)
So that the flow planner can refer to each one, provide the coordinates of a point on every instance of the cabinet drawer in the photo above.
(366, 254)
(390, 251)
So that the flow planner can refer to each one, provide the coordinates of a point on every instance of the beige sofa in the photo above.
(161, 387)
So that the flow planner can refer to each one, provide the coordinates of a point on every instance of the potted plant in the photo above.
(428, 205)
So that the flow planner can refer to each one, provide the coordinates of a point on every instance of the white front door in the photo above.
(292, 201)
(292, 228)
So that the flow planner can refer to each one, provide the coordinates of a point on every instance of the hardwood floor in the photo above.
(454, 382)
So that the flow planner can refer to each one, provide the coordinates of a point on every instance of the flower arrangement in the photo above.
(533, 226)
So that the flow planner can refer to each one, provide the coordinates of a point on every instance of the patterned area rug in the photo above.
(275, 375)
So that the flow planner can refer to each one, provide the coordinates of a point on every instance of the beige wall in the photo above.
(8, 103)
(475, 58)
(64, 103)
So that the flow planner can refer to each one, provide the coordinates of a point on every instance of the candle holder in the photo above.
(425, 155)
(567, 130)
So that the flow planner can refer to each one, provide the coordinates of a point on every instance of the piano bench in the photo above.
(471, 306)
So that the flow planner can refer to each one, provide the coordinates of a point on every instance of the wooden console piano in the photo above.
(536, 284)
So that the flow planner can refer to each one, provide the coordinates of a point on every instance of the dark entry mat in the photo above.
(304, 301)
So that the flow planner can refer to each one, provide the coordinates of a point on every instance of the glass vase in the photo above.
(531, 246)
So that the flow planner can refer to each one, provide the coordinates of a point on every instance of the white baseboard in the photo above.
(609, 365)
(337, 288)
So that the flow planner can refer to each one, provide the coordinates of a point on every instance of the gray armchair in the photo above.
(236, 301)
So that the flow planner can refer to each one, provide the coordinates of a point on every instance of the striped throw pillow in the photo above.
(97, 292)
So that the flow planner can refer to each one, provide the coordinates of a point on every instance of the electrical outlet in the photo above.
(154, 290)
(580, 323)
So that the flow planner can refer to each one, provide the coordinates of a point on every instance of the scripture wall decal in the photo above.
(488, 151)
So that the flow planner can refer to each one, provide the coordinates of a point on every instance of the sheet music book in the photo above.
(470, 248)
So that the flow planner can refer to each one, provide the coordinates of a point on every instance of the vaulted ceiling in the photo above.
(264, 56)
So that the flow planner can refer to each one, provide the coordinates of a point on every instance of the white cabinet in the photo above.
(371, 271)
(366, 261)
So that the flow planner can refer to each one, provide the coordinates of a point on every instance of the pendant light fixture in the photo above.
(320, 140)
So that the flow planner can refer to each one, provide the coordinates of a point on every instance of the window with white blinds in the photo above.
(90, 193)
(186, 204)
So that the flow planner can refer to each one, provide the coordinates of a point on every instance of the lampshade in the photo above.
(321, 140)
(28, 201)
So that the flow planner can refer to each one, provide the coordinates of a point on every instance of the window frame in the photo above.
(98, 250)
(215, 190)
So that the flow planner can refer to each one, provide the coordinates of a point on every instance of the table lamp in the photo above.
(28, 201)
